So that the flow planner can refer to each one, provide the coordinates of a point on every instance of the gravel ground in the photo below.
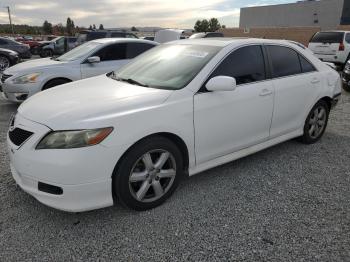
(287, 203)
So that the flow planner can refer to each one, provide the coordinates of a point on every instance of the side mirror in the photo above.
(221, 83)
(94, 59)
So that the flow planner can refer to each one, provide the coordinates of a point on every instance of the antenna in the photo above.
(9, 12)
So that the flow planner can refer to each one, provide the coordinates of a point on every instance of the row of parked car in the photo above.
(97, 52)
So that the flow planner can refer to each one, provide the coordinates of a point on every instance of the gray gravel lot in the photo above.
(287, 203)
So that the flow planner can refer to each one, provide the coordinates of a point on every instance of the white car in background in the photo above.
(90, 59)
(331, 46)
(176, 110)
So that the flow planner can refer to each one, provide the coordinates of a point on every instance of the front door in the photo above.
(228, 121)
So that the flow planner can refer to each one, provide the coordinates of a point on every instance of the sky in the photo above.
(127, 13)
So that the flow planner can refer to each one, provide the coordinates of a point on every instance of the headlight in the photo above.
(29, 78)
(74, 138)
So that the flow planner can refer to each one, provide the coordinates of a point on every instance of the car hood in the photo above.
(89, 103)
(33, 65)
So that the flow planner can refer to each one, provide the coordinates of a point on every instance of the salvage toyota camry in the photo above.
(130, 136)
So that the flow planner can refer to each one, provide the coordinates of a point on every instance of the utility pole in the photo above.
(9, 12)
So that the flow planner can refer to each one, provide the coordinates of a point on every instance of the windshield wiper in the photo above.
(131, 81)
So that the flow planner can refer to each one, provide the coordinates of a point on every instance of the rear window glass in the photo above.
(328, 37)
(285, 61)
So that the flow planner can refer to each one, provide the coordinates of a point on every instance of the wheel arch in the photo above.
(55, 78)
(328, 100)
(178, 141)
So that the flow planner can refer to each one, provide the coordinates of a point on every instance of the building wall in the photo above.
(325, 14)
(298, 34)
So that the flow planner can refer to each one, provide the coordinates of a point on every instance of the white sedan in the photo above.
(176, 110)
(90, 59)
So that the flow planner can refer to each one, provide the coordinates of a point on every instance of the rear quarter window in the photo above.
(328, 37)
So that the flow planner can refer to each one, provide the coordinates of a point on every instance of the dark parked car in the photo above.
(346, 77)
(22, 49)
(57, 46)
(8, 58)
(88, 35)
(206, 35)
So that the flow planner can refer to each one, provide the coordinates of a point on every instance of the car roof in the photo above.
(226, 41)
(122, 40)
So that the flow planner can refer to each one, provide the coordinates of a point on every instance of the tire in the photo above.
(55, 82)
(346, 87)
(151, 183)
(46, 53)
(316, 123)
(4, 63)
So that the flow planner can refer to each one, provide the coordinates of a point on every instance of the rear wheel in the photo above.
(316, 123)
(148, 174)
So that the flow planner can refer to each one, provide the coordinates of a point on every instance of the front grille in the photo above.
(18, 136)
(4, 77)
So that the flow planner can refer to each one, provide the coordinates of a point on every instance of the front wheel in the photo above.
(316, 123)
(148, 174)
(4, 63)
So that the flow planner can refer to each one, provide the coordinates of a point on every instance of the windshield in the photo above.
(78, 52)
(167, 66)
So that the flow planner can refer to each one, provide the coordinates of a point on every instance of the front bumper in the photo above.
(26, 54)
(84, 174)
(19, 92)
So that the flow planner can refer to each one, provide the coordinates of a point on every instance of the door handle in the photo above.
(315, 81)
(265, 92)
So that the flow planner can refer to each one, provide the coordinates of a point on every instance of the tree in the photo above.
(223, 26)
(94, 26)
(47, 28)
(134, 29)
(214, 24)
(201, 26)
(101, 27)
(70, 26)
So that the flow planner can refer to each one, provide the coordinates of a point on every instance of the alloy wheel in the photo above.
(152, 175)
(4, 63)
(317, 122)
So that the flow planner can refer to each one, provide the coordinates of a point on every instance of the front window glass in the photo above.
(167, 66)
(78, 52)
(246, 65)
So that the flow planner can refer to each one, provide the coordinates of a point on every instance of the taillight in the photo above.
(341, 47)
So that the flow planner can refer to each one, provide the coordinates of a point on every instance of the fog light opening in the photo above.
(55, 190)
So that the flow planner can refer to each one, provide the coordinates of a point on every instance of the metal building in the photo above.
(327, 14)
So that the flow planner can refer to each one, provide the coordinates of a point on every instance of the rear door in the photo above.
(295, 82)
(326, 43)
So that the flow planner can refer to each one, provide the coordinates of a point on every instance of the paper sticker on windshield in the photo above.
(198, 54)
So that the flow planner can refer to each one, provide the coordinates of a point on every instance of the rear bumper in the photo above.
(331, 58)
